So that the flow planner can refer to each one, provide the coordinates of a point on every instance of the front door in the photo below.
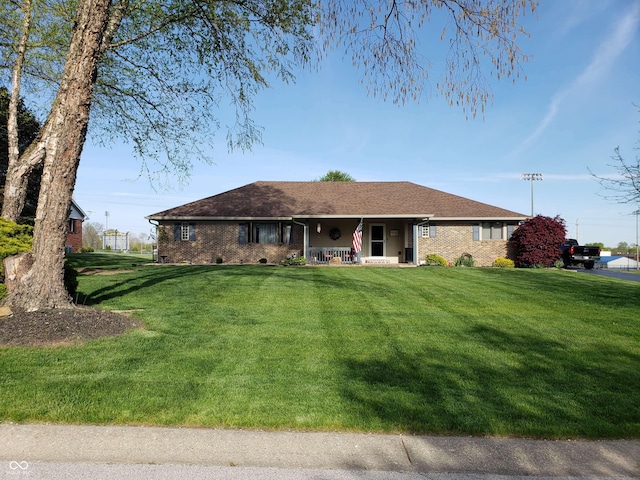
(377, 241)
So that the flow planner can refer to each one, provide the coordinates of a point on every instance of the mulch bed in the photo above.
(62, 326)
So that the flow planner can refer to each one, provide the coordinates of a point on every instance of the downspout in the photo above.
(157, 243)
(416, 226)
(305, 251)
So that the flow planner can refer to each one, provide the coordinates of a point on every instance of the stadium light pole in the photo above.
(531, 177)
(637, 212)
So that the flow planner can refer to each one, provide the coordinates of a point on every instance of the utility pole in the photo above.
(577, 235)
(532, 177)
(637, 212)
(105, 239)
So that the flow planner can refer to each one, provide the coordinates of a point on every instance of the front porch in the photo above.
(327, 255)
(324, 255)
(384, 241)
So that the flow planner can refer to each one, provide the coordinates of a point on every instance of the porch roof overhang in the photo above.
(188, 218)
(167, 218)
(420, 217)
(480, 219)
(425, 216)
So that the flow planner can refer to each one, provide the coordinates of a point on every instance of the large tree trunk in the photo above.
(39, 281)
(15, 190)
(17, 173)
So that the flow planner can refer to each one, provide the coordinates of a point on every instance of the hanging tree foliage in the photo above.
(157, 75)
(381, 38)
(624, 186)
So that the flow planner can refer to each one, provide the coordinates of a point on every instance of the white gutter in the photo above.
(370, 216)
(185, 218)
(157, 243)
(416, 226)
(480, 219)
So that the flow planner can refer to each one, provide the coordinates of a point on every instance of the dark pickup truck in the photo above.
(576, 254)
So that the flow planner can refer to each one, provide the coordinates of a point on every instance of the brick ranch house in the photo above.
(74, 228)
(270, 221)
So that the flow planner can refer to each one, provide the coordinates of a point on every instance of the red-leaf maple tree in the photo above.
(537, 241)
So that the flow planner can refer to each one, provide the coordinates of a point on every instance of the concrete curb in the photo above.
(318, 450)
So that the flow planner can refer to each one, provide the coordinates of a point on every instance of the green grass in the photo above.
(536, 353)
(108, 260)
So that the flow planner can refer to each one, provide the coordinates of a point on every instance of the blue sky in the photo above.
(575, 106)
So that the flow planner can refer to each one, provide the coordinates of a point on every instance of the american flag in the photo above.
(357, 238)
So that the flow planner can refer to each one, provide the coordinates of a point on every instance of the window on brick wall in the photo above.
(184, 232)
(72, 226)
(265, 232)
(492, 231)
(428, 230)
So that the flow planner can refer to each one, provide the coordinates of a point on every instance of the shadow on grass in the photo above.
(106, 260)
(385, 282)
(518, 381)
(153, 276)
(511, 385)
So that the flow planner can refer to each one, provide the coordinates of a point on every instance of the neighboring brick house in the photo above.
(270, 221)
(74, 228)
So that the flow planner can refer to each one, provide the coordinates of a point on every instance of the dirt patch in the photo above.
(63, 326)
(100, 271)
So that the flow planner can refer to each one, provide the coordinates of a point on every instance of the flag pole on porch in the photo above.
(356, 244)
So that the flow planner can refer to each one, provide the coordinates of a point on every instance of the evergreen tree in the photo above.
(336, 176)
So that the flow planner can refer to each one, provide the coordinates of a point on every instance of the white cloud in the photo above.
(579, 11)
(610, 50)
(604, 57)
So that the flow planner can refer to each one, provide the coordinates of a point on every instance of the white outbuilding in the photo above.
(617, 262)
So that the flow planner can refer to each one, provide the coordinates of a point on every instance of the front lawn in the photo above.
(541, 353)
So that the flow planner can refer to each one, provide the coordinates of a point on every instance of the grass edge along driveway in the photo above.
(535, 353)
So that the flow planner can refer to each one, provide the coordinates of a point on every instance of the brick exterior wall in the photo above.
(220, 240)
(74, 234)
(454, 239)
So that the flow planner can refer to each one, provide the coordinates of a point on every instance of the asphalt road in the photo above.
(622, 275)
(82, 471)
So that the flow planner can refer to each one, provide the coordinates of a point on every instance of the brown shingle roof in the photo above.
(347, 199)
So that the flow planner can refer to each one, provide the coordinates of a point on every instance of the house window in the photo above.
(267, 233)
(286, 234)
(184, 232)
(428, 230)
(71, 226)
(492, 231)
